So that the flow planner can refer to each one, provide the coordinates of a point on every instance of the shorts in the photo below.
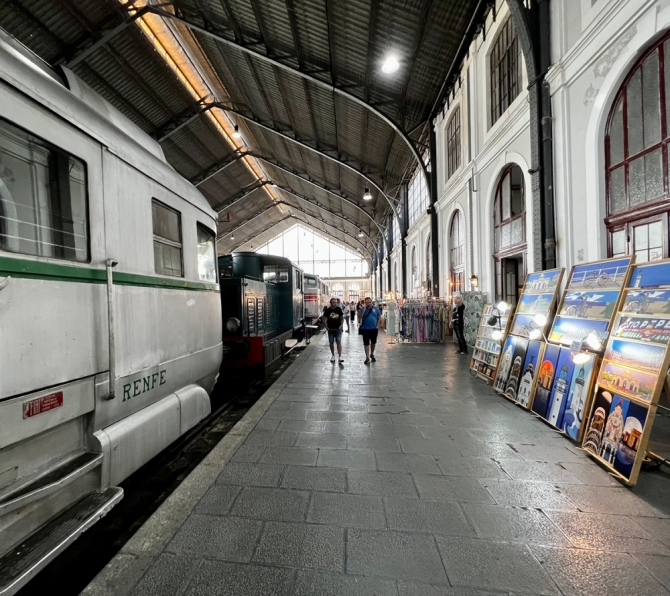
(334, 335)
(369, 336)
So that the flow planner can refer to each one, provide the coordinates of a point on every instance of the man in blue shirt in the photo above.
(369, 317)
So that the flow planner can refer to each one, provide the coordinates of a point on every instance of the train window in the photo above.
(310, 282)
(206, 256)
(275, 274)
(43, 202)
(298, 279)
(167, 240)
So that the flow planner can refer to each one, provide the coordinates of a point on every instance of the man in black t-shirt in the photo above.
(333, 320)
(457, 323)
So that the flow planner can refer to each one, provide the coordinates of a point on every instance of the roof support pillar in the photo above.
(433, 285)
(403, 235)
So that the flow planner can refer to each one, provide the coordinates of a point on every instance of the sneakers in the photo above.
(366, 361)
(372, 357)
(332, 359)
(341, 360)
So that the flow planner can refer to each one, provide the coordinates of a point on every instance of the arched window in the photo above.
(510, 234)
(454, 142)
(395, 277)
(456, 252)
(337, 291)
(429, 264)
(415, 273)
(354, 292)
(636, 149)
(505, 68)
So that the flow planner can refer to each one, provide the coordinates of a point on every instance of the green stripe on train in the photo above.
(56, 272)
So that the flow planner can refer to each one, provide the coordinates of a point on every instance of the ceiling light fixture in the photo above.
(390, 65)
(360, 234)
(236, 133)
(232, 237)
(367, 196)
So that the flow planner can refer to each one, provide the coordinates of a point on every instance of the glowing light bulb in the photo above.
(236, 133)
(535, 334)
(390, 65)
(232, 237)
(367, 196)
(581, 358)
(497, 335)
(502, 306)
(540, 319)
(593, 340)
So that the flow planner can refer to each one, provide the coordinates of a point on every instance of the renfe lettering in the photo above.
(140, 386)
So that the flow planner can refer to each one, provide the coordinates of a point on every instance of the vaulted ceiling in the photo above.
(318, 120)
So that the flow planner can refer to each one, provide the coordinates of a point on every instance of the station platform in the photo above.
(406, 477)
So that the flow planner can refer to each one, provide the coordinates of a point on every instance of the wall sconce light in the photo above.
(474, 282)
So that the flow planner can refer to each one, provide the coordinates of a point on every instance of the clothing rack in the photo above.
(423, 321)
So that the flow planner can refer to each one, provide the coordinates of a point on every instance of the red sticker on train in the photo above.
(42, 404)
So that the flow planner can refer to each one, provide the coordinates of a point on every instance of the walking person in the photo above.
(352, 311)
(457, 322)
(333, 320)
(369, 319)
(346, 311)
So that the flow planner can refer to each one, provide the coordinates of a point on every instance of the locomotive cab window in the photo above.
(311, 282)
(43, 202)
(275, 274)
(167, 240)
(206, 256)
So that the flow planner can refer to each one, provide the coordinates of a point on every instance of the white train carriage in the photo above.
(107, 271)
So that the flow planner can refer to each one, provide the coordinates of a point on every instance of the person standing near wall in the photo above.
(369, 318)
(457, 324)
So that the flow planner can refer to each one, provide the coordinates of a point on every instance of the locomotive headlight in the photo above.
(233, 325)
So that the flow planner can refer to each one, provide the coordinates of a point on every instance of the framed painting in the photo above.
(642, 328)
(545, 380)
(530, 367)
(518, 357)
(560, 389)
(578, 395)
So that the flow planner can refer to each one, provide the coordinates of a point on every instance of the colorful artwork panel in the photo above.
(534, 303)
(530, 368)
(521, 325)
(518, 357)
(648, 357)
(505, 366)
(543, 281)
(651, 275)
(566, 329)
(615, 431)
(602, 275)
(545, 380)
(578, 393)
(647, 302)
(559, 391)
(641, 328)
(629, 382)
(590, 304)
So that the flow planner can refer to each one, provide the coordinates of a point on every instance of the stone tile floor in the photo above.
(411, 477)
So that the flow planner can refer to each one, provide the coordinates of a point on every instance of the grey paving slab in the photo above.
(414, 589)
(451, 488)
(276, 504)
(327, 416)
(348, 428)
(296, 456)
(599, 499)
(514, 524)
(418, 515)
(267, 424)
(442, 447)
(540, 471)
(287, 414)
(169, 574)
(580, 572)
(250, 474)
(391, 430)
(591, 475)
(658, 528)
(407, 462)
(471, 466)
(388, 484)
(214, 578)
(301, 426)
(519, 493)
(400, 555)
(225, 538)
(498, 566)
(658, 566)
(325, 440)
(314, 478)
(415, 420)
(352, 459)
(302, 546)
(552, 453)
(218, 499)
(361, 418)
(311, 583)
(374, 443)
(270, 438)
(598, 531)
(347, 510)
(479, 449)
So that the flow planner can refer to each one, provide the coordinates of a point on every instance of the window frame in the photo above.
(457, 269)
(167, 241)
(204, 228)
(454, 142)
(497, 202)
(506, 76)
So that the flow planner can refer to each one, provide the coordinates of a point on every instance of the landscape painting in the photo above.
(522, 324)
(651, 275)
(631, 354)
(543, 281)
(601, 275)
(559, 391)
(591, 304)
(629, 382)
(567, 329)
(529, 372)
(647, 302)
(534, 303)
(545, 379)
(649, 329)
(578, 393)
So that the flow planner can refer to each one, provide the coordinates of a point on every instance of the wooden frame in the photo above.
(479, 365)
(537, 291)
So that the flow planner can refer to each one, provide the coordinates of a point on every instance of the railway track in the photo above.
(147, 488)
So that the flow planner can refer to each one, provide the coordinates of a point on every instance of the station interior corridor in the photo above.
(405, 477)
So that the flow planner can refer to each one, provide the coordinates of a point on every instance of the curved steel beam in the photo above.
(249, 190)
(312, 79)
(247, 221)
(395, 204)
(276, 223)
(351, 202)
(297, 196)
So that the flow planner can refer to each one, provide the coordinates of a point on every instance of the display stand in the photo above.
(562, 392)
(632, 375)
(423, 321)
(486, 351)
(523, 348)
